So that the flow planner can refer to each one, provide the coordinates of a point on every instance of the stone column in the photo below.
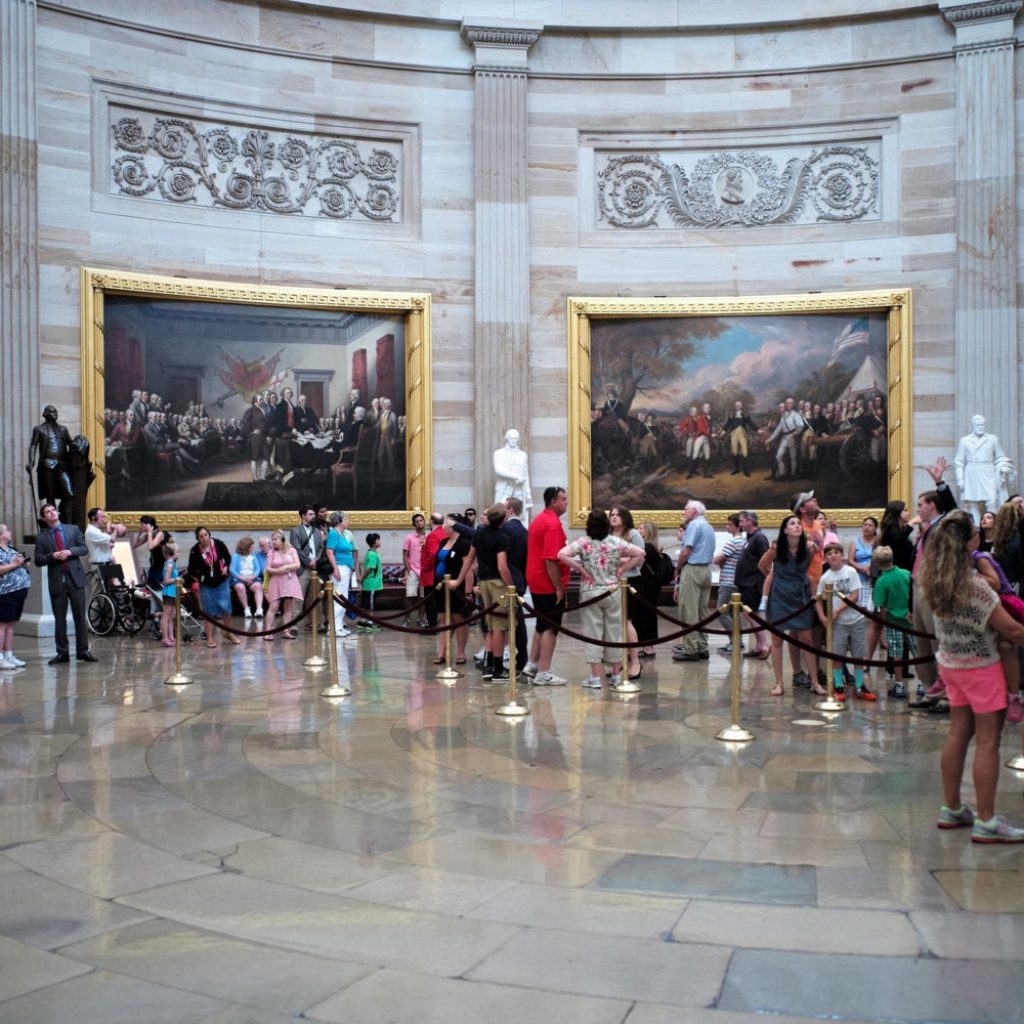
(19, 258)
(502, 273)
(987, 360)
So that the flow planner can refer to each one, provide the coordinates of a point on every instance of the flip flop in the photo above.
(777, 692)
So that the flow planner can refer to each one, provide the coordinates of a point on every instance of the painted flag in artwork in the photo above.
(854, 333)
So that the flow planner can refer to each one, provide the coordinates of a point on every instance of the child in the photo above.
(848, 627)
(170, 574)
(892, 599)
(372, 579)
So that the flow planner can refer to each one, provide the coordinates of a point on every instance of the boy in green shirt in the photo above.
(373, 580)
(891, 595)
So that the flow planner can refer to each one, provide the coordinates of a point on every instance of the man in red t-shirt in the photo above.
(547, 579)
(428, 562)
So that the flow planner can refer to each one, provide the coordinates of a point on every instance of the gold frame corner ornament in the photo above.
(895, 303)
(97, 283)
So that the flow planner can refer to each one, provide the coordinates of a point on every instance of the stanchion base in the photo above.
(512, 710)
(448, 675)
(1016, 763)
(830, 705)
(734, 734)
(337, 690)
(316, 661)
(178, 679)
(626, 686)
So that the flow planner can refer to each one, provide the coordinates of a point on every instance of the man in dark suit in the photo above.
(60, 547)
(517, 535)
(283, 422)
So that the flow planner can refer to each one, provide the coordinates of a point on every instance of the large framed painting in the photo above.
(740, 403)
(232, 404)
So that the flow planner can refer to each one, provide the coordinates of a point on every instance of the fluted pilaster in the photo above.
(19, 257)
(987, 360)
(502, 310)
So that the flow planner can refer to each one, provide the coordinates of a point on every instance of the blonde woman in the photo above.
(284, 587)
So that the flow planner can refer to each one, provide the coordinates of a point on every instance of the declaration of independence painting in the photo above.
(223, 409)
(740, 409)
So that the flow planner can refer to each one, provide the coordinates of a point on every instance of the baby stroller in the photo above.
(190, 627)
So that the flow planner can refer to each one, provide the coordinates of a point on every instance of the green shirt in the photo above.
(892, 592)
(372, 577)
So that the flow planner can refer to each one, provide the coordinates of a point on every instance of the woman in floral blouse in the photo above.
(601, 560)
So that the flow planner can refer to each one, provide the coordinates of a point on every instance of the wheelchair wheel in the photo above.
(133, 616)
(102, 615)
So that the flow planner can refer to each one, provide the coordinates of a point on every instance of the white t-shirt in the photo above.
(99, 543)
(845, 580)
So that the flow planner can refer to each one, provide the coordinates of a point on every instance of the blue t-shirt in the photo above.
(343, 547)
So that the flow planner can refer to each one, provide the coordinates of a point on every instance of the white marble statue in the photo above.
(982, 470)
(512, 473)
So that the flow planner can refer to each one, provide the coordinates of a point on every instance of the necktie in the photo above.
(58, 540)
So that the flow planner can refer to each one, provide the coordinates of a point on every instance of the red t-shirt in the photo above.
(546, 538)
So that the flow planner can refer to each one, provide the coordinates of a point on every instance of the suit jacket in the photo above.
(306, 420)
(46, 545)
(306, 550)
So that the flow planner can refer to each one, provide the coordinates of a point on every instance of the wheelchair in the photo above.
(117, 605)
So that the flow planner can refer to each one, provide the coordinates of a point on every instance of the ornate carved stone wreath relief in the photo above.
(243, 168)
(744, 188)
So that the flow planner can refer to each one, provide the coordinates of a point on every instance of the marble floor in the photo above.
(245, 850)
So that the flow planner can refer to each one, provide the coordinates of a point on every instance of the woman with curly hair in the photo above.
(969, 620)
(1006, 542)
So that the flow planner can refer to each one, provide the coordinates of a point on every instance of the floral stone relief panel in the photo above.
(215, 164)
(747, 187)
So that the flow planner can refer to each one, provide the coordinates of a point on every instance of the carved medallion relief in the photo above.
(738, 188)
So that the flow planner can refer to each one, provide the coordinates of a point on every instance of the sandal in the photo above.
(777, 692)
(819, 690)
(268, 639)
(234, 640)
(290, 634)
(439, 661)
(461, 661)
(208, 644)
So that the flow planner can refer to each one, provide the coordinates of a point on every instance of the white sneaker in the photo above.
(16, 662)
(548, 679)
(248, 612)
(259, 613)
(343, 632)
(591, 683)
(4, 663)
(530, 669)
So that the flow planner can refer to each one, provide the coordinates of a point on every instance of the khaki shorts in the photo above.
(491, 591)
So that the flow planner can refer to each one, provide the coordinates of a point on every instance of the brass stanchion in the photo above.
(448, 674)
(829, 703)
(625, 684)
(513, 709)
(735, 733)
(178, 678)
(334, 688)
(316, 660)
(1016, 763)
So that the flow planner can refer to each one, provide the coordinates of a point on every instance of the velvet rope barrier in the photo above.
(419, 631)
(884, 620)
(195, 608)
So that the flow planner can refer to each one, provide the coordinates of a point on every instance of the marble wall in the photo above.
(879, 71)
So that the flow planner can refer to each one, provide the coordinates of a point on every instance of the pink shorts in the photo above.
(981, 689)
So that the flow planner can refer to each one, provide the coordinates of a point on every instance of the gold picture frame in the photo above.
(294, 313)
(638, 366)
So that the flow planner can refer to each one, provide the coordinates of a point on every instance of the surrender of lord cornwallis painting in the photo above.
(740, 403)
(220, 403)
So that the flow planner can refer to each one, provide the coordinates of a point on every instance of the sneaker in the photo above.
(343, 632)
(259, 613)
(898, 691)
(1015, 709)
(497, 677)
(996, 830)
(920, 689)
(548, 679)
(839, 693)
(12, 660)
(248, 613)
(801, 678)
(923, 703)
(937, 689)
(960, 818)
(864, 694)
(592, 683)
(940, 707)
(530, 669)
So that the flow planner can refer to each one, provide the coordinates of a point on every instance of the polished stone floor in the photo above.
(244, 850)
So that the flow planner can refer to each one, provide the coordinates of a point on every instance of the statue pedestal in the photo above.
(37, 618)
